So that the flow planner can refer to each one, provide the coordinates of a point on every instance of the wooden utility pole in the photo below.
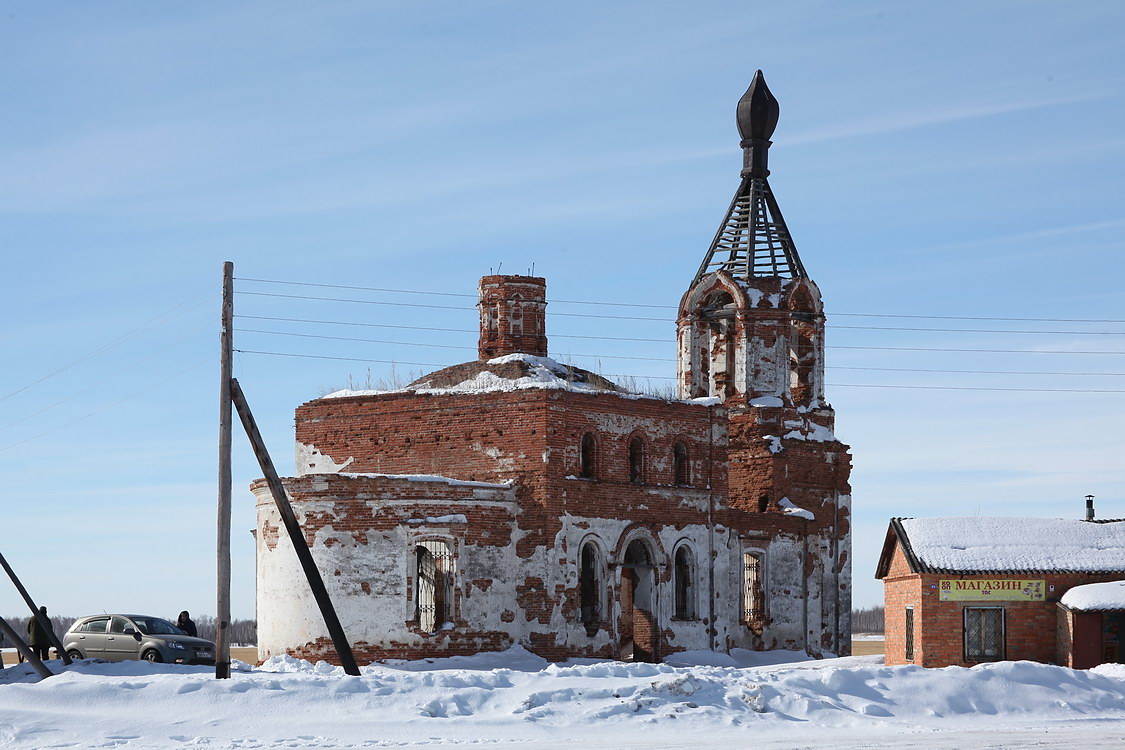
(222, 617)
(42, 618)
(289, 520)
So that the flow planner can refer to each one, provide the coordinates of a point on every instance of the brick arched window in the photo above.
(681, 464)
(588, 457)
(637, 460)
(683, 575)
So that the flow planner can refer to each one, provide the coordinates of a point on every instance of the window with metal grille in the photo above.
(753, 589)
(910, 633)
(433, 585)
(984, 633)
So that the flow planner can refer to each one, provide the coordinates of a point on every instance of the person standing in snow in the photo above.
(184, 623)
(38, 637)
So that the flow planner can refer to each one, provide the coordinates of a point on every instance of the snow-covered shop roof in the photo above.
(1096, 596)
(991, 544)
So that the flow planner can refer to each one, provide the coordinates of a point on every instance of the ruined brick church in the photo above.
(515, 500)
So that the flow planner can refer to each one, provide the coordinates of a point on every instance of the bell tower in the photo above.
(750, 332)
(751, 325)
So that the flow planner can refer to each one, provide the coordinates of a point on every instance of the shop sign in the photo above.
(991, 590)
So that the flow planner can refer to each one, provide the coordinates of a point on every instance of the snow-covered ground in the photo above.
(515, 699)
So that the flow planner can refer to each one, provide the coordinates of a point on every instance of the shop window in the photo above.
(589, 582)
(433, 585)
(910, 633)
(588, 457)
(984, 633)
(753, 590)
(681, 466)
(685, 591)
(637, 460)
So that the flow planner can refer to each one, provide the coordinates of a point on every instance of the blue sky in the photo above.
(953, 159)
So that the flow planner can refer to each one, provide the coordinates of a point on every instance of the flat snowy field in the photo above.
(515, 699)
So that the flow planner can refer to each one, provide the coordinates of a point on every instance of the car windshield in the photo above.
(156, 626)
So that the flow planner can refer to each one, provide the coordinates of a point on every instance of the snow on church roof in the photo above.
(512, 372)
(993, 544)
(1096, 596)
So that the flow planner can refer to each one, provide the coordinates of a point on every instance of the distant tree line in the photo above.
(240, 633)
(869, 620)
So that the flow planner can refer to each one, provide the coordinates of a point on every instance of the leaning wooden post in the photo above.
(222, 607)
(24, 649)
(316, 583)
(42, 618)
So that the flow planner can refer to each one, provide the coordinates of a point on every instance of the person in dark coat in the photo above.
(184, 623)
(37, 637)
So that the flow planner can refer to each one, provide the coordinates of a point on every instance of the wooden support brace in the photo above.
(316, 583)
(24, 649)
(43, 621)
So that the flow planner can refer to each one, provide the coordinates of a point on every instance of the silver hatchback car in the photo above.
(122, 637)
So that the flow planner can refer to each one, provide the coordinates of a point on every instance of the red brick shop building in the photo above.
(515, 500)
(961, 591)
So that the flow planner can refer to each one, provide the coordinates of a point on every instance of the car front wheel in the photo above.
(152, 655)
(74, 654)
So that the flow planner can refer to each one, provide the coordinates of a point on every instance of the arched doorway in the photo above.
(638, 604)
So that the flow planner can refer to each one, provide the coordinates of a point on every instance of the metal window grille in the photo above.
(433, 585)
(984, 633)
(753, 590)
(910, 634)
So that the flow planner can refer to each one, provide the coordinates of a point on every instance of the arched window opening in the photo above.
(719, 312)
(433, 585)
(588, 457)
(588, 585)
(685, 591)
(681, 466)
(637, 460)
(763, 503)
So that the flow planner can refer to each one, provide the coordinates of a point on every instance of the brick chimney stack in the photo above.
(512, 316)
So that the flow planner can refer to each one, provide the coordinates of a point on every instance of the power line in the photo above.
(122, 371)
(832, 385)
(970, 388)
(969, 351)
(432, 328)
(120, 339)
(438, 346)
(669, 320)
(663, 340)
(110, 406)
(665, 359)
(674, 307)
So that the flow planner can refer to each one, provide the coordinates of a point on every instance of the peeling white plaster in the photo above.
(312, 461)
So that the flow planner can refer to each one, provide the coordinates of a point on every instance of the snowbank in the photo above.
(517, 699)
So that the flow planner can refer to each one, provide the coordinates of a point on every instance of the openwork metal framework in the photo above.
(753, 239)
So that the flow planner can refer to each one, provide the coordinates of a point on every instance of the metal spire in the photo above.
(753, 239)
